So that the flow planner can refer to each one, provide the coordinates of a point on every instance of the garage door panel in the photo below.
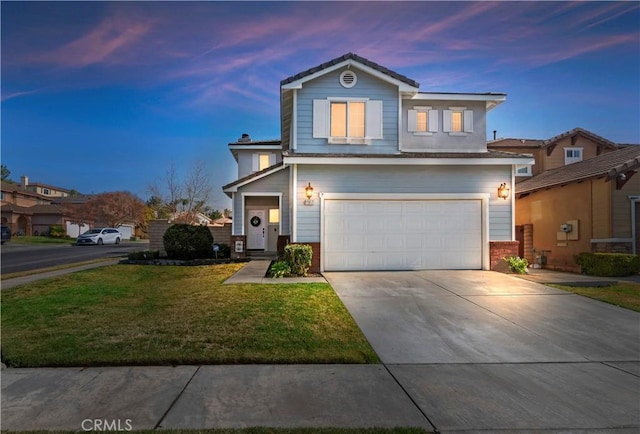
(402, 235)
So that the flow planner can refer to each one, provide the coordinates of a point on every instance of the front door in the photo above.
(255, 229)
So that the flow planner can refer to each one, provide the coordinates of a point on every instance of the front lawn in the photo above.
(623, 294)
(166, 315)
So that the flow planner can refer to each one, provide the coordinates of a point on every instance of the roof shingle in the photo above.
(609, 164)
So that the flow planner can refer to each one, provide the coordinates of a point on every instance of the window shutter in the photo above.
(321, 118)
(446, 121)
(255, 162)
(412, 121)
(272, 159)
(433, 121)
(373, 120)
(468, 121)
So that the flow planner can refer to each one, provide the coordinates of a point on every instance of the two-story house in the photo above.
(376, 175)
(581, 195)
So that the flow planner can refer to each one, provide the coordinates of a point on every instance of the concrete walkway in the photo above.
(255, 271)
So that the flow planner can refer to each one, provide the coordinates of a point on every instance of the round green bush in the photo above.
(182, 241)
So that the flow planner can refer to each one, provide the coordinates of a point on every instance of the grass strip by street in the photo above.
(48, 269)
(623, 294)
(264, 430)
(170, 315)
(23, 239)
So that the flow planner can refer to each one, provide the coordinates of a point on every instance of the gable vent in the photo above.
(348, 79)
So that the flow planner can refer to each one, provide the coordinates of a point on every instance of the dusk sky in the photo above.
(102, 96)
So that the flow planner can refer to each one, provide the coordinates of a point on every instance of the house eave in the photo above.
(491, 99)
(402, 86)
(233, 187)
(391, 161)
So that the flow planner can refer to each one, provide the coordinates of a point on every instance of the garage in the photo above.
(402, 234)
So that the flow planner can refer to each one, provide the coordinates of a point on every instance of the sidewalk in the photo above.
(10, 283)
(206, 397)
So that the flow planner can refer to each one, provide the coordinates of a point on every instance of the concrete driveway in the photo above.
(482, 350)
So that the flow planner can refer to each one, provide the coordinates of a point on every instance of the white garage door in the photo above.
(402, 235)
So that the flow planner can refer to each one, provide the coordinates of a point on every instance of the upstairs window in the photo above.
(422, 121)
(347, 120)
(572, 155)
(457, 121)
(262, 161)
(45, 191)
(523, 170)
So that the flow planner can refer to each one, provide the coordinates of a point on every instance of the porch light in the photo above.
(308, 191)
(503, 191)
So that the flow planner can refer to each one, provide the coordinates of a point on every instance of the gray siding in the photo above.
(367, 86)
(274, 183)
(440, 141)
(403, 179)
(245, 160)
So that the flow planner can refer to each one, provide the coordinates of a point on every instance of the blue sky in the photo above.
(102, 96)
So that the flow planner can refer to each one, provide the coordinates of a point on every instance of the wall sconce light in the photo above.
(308, 191)
(503, 191)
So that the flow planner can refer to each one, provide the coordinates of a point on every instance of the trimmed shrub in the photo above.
(517, 265)
(183, 241)
(279, 269)
(144, 255)
(57, 231)
(298, 256)
(608, 264)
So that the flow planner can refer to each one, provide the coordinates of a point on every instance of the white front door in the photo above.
(255, 229)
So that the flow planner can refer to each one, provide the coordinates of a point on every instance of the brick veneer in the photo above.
(501, 249)
(283, 240)
(235, 238)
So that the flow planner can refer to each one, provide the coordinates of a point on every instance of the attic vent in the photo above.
(348, 79)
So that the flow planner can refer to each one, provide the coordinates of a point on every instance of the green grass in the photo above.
(623, 294)
(167, 315)
(54, 268)
(41, 240)
(262, 430)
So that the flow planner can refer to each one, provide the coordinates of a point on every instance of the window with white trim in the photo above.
(523, 170)
(572, 155)
(262, 160)
(347, 120)
(422, 121)
(457, 121)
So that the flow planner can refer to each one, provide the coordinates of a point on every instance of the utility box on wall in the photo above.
(239, 246)
(574, 234)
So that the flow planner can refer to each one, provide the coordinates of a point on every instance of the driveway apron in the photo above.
(478, 350)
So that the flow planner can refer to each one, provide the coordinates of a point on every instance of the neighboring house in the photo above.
(16, 203)
(567, 148)
(27, 211)
(376, 175)
(588, 206)
(44, 189)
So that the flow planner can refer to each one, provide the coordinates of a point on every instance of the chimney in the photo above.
(495, 132)
(245, 138)
(24, 182)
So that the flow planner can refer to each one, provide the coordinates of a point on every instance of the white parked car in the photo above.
(100, 236)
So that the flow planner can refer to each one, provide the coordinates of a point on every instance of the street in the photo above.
(23, 257)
